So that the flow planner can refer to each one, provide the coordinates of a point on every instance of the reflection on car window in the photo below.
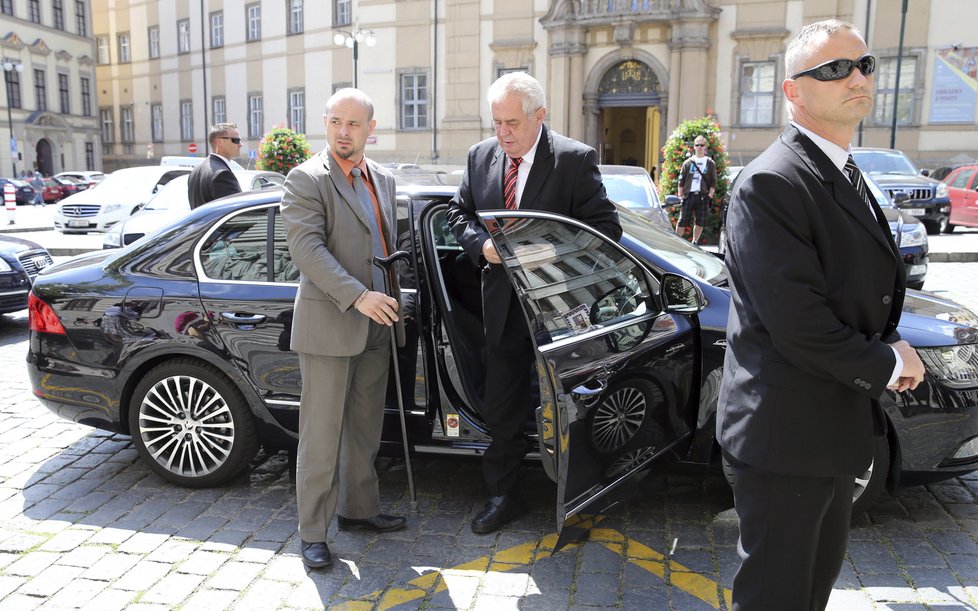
(574, 280)
(628, 190)
(237, 250)
(687, 258)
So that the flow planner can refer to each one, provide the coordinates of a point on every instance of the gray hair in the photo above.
(349, 93)
(798, 49)
(521, 84)
(219, 130)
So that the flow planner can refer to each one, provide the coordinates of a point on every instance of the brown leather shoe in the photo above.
(316, 555)
(380, 523)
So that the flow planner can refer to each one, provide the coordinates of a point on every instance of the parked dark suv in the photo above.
(928, 199)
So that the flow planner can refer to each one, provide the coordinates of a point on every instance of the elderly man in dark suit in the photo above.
(818, 286)
(525, 166)
(212, 178)
(338, 209)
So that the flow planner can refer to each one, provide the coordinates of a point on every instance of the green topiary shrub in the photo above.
(282, 149)
(677, 149)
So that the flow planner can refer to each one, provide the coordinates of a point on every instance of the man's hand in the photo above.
(912, 373)
(380, 308)
(489, 252)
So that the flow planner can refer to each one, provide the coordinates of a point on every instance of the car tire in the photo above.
(623, 420)
(932, 227)
(205, 446)
(945, 225)
(869, 485)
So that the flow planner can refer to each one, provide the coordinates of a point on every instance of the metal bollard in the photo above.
(10, 201)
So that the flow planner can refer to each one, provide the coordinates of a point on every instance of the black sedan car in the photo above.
(909, 234)
(181, 340)
(23, 191)
(20, 262)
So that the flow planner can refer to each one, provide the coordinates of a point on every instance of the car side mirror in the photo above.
(925, 172)
(672, 201)
(899, 197)
(681, 295)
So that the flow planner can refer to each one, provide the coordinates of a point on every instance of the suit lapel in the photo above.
(843, 193)
(496, 166)
(343, 187)
(386, 207)
(543, 165)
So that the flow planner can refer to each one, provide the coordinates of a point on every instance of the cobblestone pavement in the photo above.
(84, 524)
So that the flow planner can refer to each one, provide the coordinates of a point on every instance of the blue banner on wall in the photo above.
(955, 89)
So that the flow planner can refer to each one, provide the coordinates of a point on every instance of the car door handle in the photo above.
(243, 321)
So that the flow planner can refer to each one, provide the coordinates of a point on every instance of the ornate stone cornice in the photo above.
(63, 56)
(40, 48)
(611, 12)
(760, 33)
(12, 41)
(84, 60)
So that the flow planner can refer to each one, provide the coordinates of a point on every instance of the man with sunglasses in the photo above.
(817, 290)
(213, 179)
(697, 183)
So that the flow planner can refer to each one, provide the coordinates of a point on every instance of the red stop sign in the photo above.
(192, 147)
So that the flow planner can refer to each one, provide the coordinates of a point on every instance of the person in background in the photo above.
(213, 179)
(338, 210)
(37, 182)
(817, 290)
(697, 183)
(526, 166)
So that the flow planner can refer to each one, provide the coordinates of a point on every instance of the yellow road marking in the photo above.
(520, 555)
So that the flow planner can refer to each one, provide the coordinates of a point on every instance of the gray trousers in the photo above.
(341, 415)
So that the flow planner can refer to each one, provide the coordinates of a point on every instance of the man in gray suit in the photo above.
(817, 289)
(213, 179)
(338, 210)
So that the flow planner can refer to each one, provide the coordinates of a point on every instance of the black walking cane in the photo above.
(386, 264)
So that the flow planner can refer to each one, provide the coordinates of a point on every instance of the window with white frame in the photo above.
(64, 97)
(58, 13)
(81, 18)
(40, 90)
(156, 119)
(183, 36)
(757, 86)
(217, 29)
(297, 110)
(295, 16)
(414, 101)
(255, 116)
(186, 120)
(102, 49)
(154, 42)
(7, 7)
(89, 156)
(219, 110)
(342, 12)
(108, 128)
(13, 88)
(125, 124)
(124, 56)
(34, 10)
(86, 95)
(253, 17)
(887, 94)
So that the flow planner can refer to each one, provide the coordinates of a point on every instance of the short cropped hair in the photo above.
(218, 130)
(797, 51)
(529, 90)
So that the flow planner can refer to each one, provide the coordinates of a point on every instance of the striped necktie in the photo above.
(509, 184)
(856, 178)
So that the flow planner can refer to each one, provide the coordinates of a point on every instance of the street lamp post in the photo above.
(8, 66)
(352, 40)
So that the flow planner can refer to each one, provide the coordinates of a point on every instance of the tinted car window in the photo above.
(689, 259)
(960, 179)
(238, 250)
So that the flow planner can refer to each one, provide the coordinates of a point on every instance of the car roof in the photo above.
(621, 169)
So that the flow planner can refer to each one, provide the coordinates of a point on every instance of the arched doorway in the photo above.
(629, 101)
(44, 163)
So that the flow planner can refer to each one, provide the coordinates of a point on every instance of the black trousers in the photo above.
(793, 536)
(508, 370)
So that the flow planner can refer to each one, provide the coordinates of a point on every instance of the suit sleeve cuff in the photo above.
(897, 368)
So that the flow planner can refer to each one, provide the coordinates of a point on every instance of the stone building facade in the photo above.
(49, 76)
(620, 74)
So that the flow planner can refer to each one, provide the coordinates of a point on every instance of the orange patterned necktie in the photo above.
(509, 185)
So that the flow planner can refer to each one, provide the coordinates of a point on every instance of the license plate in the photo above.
(915, 211)
(916, 270)
(77, 223)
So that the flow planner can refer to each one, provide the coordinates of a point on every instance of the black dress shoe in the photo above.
(497, 512)
(316, 555)
(380, 523)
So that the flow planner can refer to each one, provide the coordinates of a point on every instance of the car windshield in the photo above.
(884, 162)
(172, 196)
(689, 259)
(629, 190)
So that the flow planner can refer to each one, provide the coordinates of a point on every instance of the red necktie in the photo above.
(509, 185)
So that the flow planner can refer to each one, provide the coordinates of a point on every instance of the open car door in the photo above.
(616, 363)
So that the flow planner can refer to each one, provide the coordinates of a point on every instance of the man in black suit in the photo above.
(213, 179)
(818, 286)
(525, 166)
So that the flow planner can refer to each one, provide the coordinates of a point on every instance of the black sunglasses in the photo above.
(838, 69)
(234, 140)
